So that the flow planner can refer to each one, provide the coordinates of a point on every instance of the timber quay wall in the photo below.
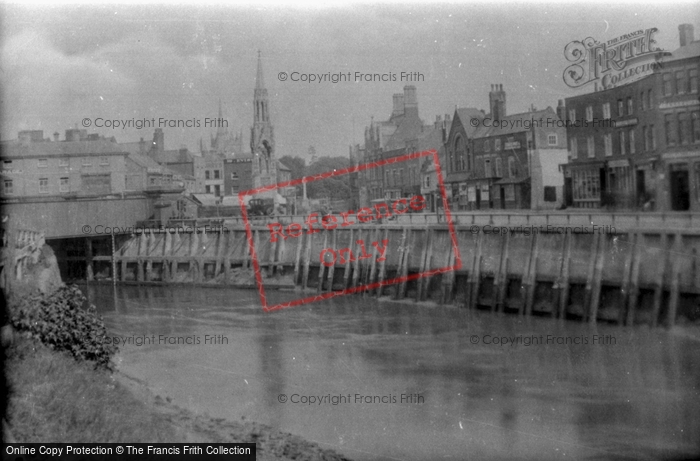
(649, 276)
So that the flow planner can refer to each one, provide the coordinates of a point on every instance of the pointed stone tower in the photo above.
(262, 138)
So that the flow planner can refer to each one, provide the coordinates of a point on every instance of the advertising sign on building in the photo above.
(616, 62)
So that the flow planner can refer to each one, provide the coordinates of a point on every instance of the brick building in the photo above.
(637, 146)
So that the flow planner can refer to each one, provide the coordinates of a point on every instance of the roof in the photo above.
(691, 50)
(60, 148)
(516, 123)
(147, 162)
(282, 166)
(465, 115)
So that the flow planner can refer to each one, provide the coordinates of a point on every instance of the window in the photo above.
(668, 89)
(620, 108)
(487, 168)
(680, 82)
(486, 145)
(43, 163)
(512, 172)
(552, 139)
(622, 143)
(589, 113)
(64, 186)
(550, 194)
(693, 80)
(207, 175)
(62, 162)
(217, 174)
(497, 145)
(607, 139)
(647, 140)
(649, 100)
(499, 168)
(8, 187)
(207, 189)
(104, 160)
(630, 105)
(427, 181)
(43, 185)
(652, 135)
(590, 145)
(683, 128)
(387, 177)
(7, 164)
(695, 121)
(572, 115)
(606, 110)
(642, 101)
(87, 161)
(586, 184)
(633, 148)
(574, 148)
(668, 124)
(217, 190)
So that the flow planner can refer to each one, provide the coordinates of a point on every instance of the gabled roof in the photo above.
(147, 162)
(464, 116)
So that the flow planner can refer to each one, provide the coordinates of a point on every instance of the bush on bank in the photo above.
(60, 321)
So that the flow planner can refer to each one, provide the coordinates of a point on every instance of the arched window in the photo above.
(460, 154)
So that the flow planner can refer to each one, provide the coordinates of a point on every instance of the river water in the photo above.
(413, 381)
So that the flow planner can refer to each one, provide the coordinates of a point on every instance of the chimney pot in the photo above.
(686, 33)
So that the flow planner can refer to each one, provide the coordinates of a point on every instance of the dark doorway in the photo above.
(503, 197)
(603, 188)
(568, 192)
(641, 188)
(680, 188)
(478, 198)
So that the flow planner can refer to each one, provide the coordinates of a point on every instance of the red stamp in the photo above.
(331, 254)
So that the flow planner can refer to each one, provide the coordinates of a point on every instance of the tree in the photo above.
(335, 188)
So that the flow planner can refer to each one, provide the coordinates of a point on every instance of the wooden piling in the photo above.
(424, 264)
(659, 281)
(589, 278)
(382, 267)
(307, 262)
(373, 264)
(297, 258)
(331, 270)
(404, 264)
(321, 266)
(501, 276)
(525, 279)
(626, 274)
(347, 269)
(597, 280)
(356, 272)
(447, 284)
(474, 275)
(634, 279)
(562, 282)
(532, 275)
(675, 281)
(227, 256)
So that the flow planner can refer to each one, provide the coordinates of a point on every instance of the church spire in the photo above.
(259, 82)
(221, 130)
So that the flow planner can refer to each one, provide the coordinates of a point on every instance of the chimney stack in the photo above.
(561, 110)
(687, 34)
(410, 100)
(398, 105)
(158, 140)
(497, 102)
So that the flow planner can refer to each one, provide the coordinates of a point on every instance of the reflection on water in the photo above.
(632, 395)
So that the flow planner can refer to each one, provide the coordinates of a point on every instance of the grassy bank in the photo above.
(54, 398)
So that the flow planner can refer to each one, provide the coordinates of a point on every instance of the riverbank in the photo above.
(53, 398)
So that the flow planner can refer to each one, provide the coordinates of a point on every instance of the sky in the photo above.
(62, 64)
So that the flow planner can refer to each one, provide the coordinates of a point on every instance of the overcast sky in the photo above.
(61, 64)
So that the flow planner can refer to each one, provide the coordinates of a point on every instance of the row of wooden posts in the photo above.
(378, 276)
